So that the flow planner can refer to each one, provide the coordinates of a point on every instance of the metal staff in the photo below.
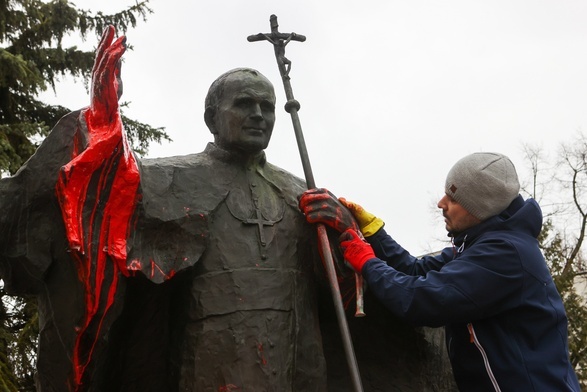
(279, 41)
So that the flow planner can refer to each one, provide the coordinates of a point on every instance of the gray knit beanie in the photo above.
(484, 183)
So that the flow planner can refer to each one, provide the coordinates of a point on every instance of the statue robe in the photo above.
(250, 319)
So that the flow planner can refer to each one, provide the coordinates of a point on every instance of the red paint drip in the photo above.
(261, 355)
(155, 269)
(228, 388)
(97, 192)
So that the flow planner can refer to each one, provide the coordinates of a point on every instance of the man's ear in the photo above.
(209, 118)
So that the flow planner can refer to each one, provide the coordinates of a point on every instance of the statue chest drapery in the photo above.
(251, 307)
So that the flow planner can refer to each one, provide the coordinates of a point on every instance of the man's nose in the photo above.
(442, 202)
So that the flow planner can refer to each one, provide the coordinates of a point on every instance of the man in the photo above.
(506, 328)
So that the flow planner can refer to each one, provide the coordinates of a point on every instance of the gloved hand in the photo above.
(355, 249)
(321, 206)
(368, 223)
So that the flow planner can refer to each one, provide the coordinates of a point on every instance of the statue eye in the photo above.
(267, 106)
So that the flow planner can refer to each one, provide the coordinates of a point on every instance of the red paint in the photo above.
(97, 192)
(228, 388)
(155, 269)
(261, 354)
(135, 265)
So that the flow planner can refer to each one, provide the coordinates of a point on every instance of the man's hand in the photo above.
(321, 206)
(355, 249)
(368, 223)
(106, 86)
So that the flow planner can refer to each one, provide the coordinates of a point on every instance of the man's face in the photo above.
(245, 115)
(456, 218)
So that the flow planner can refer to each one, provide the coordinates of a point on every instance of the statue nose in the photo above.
(257, 109)
(256, 112)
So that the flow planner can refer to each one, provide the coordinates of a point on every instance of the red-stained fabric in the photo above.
(97, 192)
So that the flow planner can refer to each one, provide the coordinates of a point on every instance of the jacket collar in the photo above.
(495, 222)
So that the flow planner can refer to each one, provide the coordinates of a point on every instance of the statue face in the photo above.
(245, 115)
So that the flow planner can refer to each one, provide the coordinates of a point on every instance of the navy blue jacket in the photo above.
(506, 327)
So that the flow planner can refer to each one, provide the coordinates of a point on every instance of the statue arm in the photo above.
(102, 180)
(84, 146)
(97, 190)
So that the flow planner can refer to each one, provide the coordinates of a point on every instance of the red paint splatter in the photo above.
(261, 354)
(228, 388)
(155, 269)
(135, 265)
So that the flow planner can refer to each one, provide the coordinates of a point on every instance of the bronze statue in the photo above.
(191, 273)
(250, 298)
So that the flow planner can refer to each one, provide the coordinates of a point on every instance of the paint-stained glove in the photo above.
(355, 249)
(368, 223)
(321, 206)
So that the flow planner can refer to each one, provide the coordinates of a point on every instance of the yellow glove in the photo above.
(368, 223)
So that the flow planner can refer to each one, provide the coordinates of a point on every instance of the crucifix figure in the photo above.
(279, 41)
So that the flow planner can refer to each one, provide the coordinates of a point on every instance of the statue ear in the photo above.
(209, 118)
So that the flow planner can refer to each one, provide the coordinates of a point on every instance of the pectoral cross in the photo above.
(260, 222)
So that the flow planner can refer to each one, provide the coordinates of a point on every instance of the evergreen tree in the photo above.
(32, 60)
(19, 329)
(8, 380)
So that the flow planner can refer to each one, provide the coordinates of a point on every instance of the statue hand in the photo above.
(106, 86)
(321, 206)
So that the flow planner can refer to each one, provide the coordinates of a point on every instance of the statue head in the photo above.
(240, 110)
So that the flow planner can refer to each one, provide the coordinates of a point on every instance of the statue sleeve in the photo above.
(29, 212)
(97, 192)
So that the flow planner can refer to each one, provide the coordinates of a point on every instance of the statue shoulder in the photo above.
(192, 161)
(290, 185)
(162, 172)
(288, 179)
(170, 184)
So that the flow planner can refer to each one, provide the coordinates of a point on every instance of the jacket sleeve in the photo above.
(480, 282)
(388, 250)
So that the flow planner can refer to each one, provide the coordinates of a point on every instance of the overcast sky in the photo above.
(392, 92)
